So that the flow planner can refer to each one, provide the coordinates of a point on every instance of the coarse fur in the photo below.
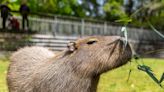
(23, 63)
(76, 69)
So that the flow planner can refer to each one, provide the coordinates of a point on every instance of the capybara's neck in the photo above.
(62, 75)
(76, 63)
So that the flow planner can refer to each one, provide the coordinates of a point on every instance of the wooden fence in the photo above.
(59, 26)
(143, 39)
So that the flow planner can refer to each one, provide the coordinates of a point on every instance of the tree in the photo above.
(114, 10)
(129, 7)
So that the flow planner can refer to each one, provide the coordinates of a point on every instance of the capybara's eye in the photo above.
(91, 42)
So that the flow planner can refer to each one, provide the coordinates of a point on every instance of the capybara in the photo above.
(76, 69)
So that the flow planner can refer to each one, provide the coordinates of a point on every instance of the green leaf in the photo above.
(148, 70)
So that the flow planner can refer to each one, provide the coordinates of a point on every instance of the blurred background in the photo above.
(54, 23)
(107, 10)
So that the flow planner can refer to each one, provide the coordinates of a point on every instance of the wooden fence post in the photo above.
(105, 28)
(82, 27)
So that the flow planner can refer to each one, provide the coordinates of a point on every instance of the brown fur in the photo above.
(23, 63)
(76, 69)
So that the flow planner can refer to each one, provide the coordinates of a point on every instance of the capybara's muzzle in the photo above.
(125, 51)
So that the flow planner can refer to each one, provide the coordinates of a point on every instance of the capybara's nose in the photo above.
(126, 45)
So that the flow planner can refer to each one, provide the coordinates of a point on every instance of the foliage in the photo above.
(113, 10)
(109, 10)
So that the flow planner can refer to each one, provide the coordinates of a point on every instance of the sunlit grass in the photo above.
(115, 80)
(3, 70)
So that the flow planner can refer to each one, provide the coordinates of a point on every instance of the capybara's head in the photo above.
(98, 54)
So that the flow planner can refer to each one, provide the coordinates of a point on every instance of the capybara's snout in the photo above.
(126, 46)
(119, 51)
(122, 50)
(125, 51)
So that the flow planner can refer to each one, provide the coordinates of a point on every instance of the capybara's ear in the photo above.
(71, 46)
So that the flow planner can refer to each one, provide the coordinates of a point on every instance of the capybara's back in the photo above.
(23, 62)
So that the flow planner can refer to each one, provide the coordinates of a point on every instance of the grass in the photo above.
(115, 80)
(3, 70)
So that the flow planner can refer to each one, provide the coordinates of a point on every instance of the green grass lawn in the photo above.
(115, 80)
(3, 70)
